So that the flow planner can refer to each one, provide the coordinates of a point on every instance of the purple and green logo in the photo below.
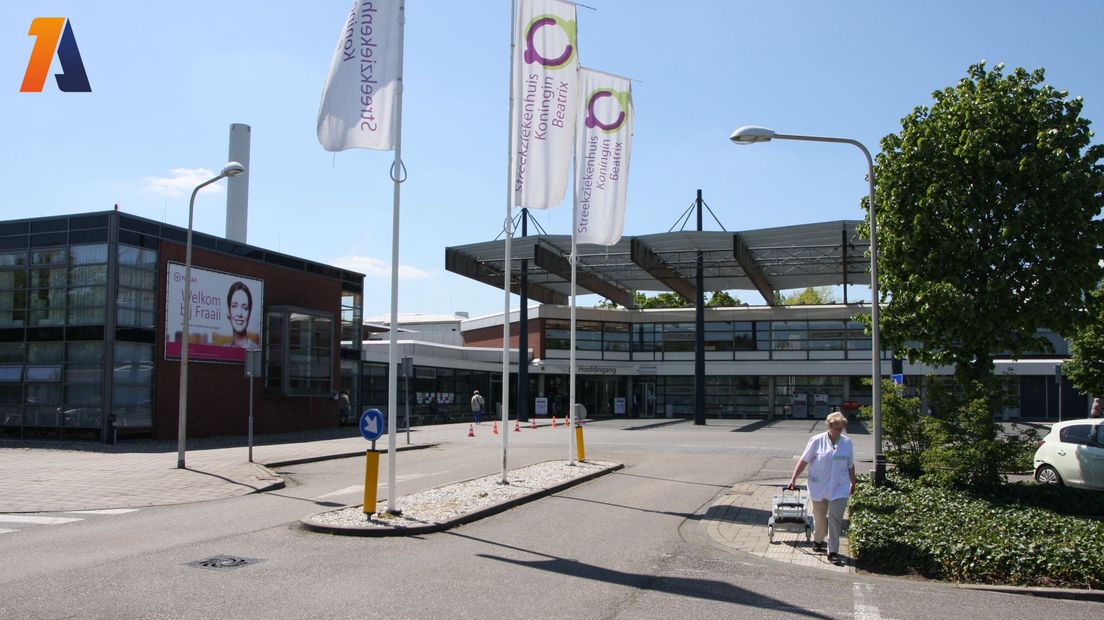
(622, 98)
(533, 55)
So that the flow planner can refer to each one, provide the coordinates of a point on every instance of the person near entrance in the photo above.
(830, 458)
(477, 406)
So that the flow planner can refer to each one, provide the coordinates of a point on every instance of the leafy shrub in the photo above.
(908, 527)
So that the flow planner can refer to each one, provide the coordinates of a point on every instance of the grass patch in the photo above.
(1025, 535)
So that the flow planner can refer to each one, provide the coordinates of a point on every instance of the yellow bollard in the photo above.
(580, 451)
(371, 481)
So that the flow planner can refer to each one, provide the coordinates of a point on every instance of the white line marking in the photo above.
(357, 488)
(862, 610)
(3, 531)
(36, 520)
(105, 511)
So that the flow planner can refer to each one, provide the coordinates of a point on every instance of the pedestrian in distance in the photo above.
(345, 408)
(830, 458)
(477, 406)
(1097, 409)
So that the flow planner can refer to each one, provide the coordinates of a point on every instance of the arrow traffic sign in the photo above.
(372, 424)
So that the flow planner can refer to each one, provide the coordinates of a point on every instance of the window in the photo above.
(1077, 434)
(132, 390)
(136, 293)
(300, 349)
(616, 337)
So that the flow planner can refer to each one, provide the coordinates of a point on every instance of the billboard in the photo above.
(225, 314)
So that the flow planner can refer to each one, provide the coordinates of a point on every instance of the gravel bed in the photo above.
(442, 504)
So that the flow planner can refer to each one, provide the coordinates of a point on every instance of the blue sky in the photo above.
(169, 78)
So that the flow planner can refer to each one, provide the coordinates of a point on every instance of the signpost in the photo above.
(371, 427)
(252, 369)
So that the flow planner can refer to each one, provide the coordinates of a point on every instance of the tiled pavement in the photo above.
(738, 520)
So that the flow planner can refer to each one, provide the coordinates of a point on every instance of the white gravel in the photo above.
(442, 504)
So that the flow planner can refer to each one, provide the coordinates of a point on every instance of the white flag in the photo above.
(360, 100)
(545, 82)
(604, 140)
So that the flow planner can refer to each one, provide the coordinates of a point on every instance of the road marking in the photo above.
(36, 520)
(3, 531)
(359, 488)
(106, 511)
(864, 611)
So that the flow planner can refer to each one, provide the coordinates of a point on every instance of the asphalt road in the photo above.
(627, 545)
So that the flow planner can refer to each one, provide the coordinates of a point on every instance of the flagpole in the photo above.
(508, 231)
(571, 388)
(393, 347)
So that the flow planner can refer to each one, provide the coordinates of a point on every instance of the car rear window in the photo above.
(1077, 433)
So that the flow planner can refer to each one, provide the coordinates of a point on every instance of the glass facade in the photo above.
(653, 341)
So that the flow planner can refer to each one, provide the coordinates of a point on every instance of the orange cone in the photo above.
(533, 423)
(471, 430)
(517, 426)
(494, 429)
(553, 421)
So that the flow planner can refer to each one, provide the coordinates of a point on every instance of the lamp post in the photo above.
(750, 134)
(229, 170)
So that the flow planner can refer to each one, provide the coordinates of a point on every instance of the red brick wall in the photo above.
(218, 396)
(491, 337)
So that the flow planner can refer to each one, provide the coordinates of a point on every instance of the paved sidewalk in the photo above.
(738, 520)
(43, 479)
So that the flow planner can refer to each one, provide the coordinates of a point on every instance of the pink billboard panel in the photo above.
(224, 314)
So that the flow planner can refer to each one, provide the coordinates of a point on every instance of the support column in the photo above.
(699, 339)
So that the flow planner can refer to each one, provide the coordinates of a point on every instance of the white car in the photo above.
(1072, 454)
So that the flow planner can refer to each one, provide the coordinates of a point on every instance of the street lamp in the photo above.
(750, 134)
(231, 169)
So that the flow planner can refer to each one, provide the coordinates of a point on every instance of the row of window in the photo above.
(824, 335)
(68, 286)
(60, 384)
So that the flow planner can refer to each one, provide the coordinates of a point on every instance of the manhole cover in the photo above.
(220, 562)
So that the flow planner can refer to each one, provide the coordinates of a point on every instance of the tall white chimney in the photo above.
(237, 187)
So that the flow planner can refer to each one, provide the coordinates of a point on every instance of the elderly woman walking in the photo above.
(831, 462)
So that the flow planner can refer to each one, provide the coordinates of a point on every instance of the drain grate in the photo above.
(222, 562)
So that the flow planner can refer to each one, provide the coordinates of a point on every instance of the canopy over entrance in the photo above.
(765, 260)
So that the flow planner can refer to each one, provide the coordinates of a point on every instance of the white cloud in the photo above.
(376, 268)
(181, 182)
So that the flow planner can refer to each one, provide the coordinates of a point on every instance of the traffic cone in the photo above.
(517, 426)
(494, 429)
(471, 430)
(553, 421)
(533, 423)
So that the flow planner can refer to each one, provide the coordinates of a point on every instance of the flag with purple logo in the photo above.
(603, 142)
(545, 84)
(359, 106)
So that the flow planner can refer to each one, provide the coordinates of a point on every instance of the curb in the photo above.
(341, 530)
(1096, 596)
(343, 455)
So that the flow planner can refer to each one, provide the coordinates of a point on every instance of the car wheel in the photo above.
(1047, 475)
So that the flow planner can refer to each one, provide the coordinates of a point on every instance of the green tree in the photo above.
(810, 297)
(721, 299)
(986, 231)
(1085, 368)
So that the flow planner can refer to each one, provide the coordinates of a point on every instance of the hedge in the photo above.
(1026, 536)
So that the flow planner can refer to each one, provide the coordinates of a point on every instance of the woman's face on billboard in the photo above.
(239, 311)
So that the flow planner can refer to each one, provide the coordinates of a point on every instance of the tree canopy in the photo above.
(986, 203)
(1085, 368)
(674, 300)
(810, 297)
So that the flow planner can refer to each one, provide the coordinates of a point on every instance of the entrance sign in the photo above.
(540, 406)
(372, 424)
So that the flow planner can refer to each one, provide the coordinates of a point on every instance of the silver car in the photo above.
(1072, 454)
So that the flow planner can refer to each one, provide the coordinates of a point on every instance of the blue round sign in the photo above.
(372, 424)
